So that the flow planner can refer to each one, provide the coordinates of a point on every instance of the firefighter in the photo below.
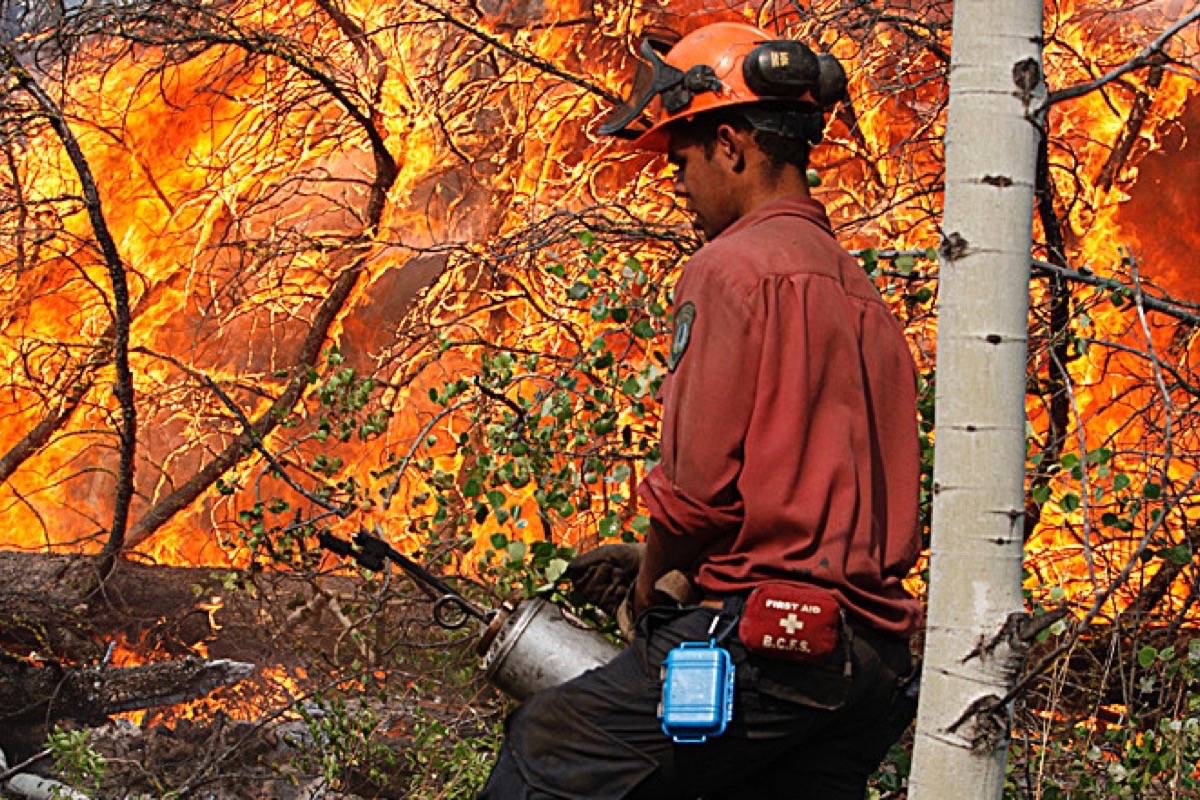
(787, 492)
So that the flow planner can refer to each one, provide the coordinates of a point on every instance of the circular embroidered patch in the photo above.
(685, 317)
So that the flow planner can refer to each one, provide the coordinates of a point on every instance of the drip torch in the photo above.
(527, 646)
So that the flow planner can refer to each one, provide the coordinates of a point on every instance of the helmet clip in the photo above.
(700, 78)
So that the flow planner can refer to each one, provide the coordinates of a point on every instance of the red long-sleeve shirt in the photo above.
(789, 441)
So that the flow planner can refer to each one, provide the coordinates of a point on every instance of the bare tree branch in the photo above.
(120, 309)
(1147, 57)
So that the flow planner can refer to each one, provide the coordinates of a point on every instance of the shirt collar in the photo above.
(795, 205)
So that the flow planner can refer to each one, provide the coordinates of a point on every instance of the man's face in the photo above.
(702, 182)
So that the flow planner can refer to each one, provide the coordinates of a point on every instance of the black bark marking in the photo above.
(1027, 76)
(953, 246)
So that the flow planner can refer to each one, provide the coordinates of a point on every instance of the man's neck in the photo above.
(788, 182)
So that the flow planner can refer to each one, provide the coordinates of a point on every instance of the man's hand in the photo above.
(604, 575)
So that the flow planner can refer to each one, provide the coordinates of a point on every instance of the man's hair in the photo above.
(785, 135)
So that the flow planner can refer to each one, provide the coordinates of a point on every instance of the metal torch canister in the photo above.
(537, 645)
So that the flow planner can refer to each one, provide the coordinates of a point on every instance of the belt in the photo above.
(713, 602)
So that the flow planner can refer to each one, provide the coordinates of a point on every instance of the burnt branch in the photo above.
(1058, 330)
(1150, 55)
(119, 310)
(1134, 560)
(510, 51)
(1132, 130)
(355, 259)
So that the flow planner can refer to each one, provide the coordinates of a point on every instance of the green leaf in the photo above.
(643, 328)
(586, 237)
(472, 487)
(1120, 481)
(1146, 656)
(870, 259)
(1041, 493)
(904, 264)
(516, 551)
(1070, 460)
(1180, 555)
(1152, 491)
(1069, 502)
(555, 569)
(813, 177)
(578, 290)
(610, 525)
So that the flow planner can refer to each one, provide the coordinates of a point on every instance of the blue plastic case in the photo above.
(697, 695)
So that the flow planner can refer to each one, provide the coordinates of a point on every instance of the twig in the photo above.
(250, 432)
(21, 767)
(394, 486)
(1154, 362)
(257, 441)
(1145, 58)
(526, 58)
(1168, 307)
(1134, 559)
(1179, 379)
(1084, 487)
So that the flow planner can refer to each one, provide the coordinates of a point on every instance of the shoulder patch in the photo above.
(685, 317)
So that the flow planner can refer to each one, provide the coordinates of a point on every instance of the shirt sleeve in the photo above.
(708, 399)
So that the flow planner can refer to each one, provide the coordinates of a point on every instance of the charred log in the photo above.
(33, 697)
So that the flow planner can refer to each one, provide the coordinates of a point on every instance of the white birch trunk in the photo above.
(979, 455)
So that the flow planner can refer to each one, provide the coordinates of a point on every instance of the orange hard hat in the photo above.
(719, 65)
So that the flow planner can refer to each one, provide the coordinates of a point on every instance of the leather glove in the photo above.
(603, 576)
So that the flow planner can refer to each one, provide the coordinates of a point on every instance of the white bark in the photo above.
(979, 456)
(34, 787)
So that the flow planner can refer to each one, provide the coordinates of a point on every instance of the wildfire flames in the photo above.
(238, 161)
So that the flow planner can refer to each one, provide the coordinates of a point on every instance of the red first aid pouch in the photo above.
(790, 621)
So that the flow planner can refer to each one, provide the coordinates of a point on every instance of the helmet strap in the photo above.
(806, 124)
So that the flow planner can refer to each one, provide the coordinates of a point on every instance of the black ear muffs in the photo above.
(781, 68)
(831, 80)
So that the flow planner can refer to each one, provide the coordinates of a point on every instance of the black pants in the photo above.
(798, 730)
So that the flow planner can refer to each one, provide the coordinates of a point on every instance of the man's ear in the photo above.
(730, 147)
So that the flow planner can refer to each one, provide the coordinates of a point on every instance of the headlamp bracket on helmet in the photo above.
(700, 78)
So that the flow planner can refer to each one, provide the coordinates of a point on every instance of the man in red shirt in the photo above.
(789, 472)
